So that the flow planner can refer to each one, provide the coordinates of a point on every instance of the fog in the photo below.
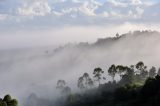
(36, 69)
(37, 37)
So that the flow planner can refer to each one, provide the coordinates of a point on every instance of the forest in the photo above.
(8, 101)
(138, 85)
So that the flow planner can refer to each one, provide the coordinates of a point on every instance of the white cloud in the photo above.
(76, 12)
(136, 2)
(87, 10)
(105, 14)
(3, 17)
(117, 3)
(37, 8)
(139, 11)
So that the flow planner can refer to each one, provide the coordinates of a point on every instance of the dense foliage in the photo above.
(137, 86)
(8, 101)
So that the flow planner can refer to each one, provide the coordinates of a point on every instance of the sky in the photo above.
(32, 23)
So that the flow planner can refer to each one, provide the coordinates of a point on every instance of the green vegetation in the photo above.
(8, 101)
(137, 86)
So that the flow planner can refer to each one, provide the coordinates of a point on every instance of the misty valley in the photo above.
(123, 70)
(79, 53)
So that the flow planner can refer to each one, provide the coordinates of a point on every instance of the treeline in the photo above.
(8, 101)
(138, 85)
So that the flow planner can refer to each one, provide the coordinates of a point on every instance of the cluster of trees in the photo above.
(64, 89)
(128, 75)
(138, 85)
(8, 101)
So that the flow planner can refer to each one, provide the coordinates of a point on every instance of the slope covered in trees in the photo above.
(43, 67)
(137, 86)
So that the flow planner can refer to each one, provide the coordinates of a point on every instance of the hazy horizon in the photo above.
(27, 24)
(32, 29)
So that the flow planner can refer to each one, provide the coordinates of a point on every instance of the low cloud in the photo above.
(27, 71)
(42, 37)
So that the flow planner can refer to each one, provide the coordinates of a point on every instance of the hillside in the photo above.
(42, 67)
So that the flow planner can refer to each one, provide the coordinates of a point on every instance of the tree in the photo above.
(7, 98)
(129, 74)
(140, 66)
(142, 70)
(97, 74)
(81, 83)
(66, 90)
(152, 72)
(61, 84)
(8, 101)
(86, 79)
(3, 103)
(90, 83)
(158, 71)
(112, 71)
(117, 35)
(120, 69)
(14, 102)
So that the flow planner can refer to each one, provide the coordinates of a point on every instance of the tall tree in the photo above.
(86, 79)
(152, 72)
(14, 102)
(66, 91)
(98, 74)
(112, 71)
(142, 70)
(158, 72)
(90, 83)
(81, 83)
(121, 70)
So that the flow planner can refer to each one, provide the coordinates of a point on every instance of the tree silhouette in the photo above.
(128, 77)
(7, 98)
(97, 74)
(86, 79)
(120, 69)
(81, 83)
(117, 35)
(158, 71)
(66, 90)
(142, 70)
(14, 102)
(112, 71)
(61, 84)
(140, 66)
(8, 101)
(90, 83)
(152, 72)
